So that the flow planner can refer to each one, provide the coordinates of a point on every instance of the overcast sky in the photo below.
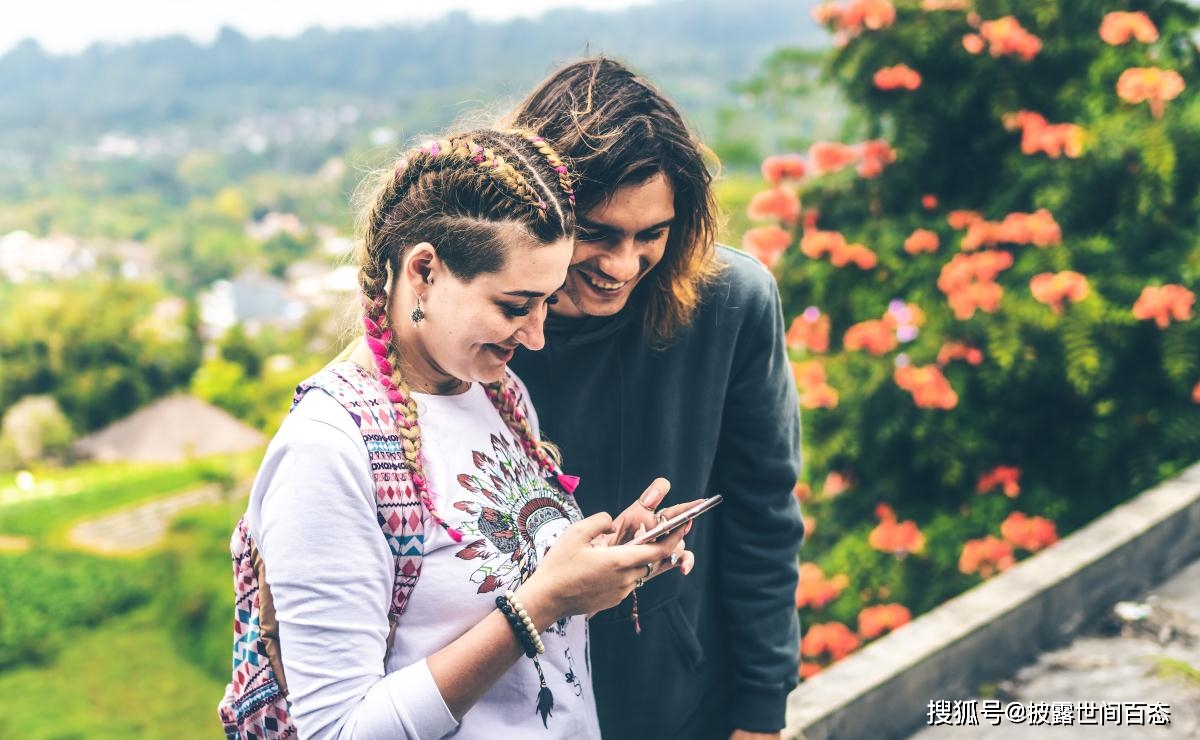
(71, 25)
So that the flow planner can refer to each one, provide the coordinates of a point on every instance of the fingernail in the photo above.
(651, 498)
(641, 530)
(674, 559)
(686, 568)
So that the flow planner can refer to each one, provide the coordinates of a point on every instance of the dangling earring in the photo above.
(418, 313)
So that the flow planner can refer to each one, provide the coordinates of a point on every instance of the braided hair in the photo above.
(461, 193)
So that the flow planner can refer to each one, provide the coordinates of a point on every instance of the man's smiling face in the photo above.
(618, 243)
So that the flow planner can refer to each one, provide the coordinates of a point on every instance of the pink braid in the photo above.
(380, 342)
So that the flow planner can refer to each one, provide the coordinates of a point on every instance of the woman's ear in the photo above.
(420, 265)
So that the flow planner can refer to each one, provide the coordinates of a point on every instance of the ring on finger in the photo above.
(649, 570)
(639, 583)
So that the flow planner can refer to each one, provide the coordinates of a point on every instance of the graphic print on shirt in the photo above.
(570, 677)
(515, 515)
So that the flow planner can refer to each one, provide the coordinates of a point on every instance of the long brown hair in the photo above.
(617, 129)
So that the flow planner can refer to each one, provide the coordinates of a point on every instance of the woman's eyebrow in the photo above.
(526, 293)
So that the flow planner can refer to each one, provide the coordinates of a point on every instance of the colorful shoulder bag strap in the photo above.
(255, 705)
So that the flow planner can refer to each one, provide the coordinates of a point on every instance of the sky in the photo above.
(66, 26)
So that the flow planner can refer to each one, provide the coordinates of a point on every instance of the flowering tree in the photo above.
(990, 286)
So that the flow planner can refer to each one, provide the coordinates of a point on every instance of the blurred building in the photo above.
(172, 429)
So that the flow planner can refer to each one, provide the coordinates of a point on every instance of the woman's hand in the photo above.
(576, 577)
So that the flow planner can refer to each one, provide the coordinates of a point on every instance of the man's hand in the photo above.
(746, 735)
(641, 514)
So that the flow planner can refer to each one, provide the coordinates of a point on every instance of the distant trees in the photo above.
(100, 348)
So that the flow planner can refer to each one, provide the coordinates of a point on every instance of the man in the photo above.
(665, 356)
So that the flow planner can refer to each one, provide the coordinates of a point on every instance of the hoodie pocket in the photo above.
(685, 635)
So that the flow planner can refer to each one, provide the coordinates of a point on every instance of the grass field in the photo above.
(121, 680)
(130, 647)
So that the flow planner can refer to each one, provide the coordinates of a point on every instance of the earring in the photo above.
(418, 313)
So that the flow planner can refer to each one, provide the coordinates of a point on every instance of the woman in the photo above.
(409, 537)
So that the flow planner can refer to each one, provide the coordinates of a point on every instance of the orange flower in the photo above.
(814, 590)
(1150, 84)
(921, 240)
(814, 391)
(982, 296)
(876, 620)
(802, 491)
(962, 219)
(876, 154)
(985, 556)
(857, 254)
(855, 16)
(1119, 28)
(877, 14)
(968, 280)
(929, 388)
(1196, 393)
(808, 670)
(835, 484)
(897, 538)
(826, 14)
(1005, 36)
(1028, 533)
(932, 5)
(767, 243)
(875, 337)
(973, 43)
(809, 330)
(1007, 476)
(1038, 228)
(833, 639)
(778, 203)
(1052, 288)
(951, 351)
(897, 77)
(1164, 304)
(780, 167)
(1037, 135)
(814, 244)
(929, 201)
(825, 157)
(808, 374)
(823, 396)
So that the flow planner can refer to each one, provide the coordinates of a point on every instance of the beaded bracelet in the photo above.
(534, 638)
(518, 627)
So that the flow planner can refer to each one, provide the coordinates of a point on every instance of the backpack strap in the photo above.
(398, 505)
(255, 703)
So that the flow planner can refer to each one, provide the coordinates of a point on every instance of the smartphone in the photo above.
(664, 528)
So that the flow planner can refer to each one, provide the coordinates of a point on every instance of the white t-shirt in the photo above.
(312, 512)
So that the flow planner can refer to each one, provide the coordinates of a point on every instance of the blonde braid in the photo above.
(504, 398)
(373, 277)
(547, 151)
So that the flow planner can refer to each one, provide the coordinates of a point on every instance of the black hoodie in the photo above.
(715, 411)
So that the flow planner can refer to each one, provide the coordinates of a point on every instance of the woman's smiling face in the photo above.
(472, 327)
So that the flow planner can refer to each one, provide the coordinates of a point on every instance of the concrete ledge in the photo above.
(882, 691)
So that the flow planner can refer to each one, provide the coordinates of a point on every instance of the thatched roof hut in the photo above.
(171, 429)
